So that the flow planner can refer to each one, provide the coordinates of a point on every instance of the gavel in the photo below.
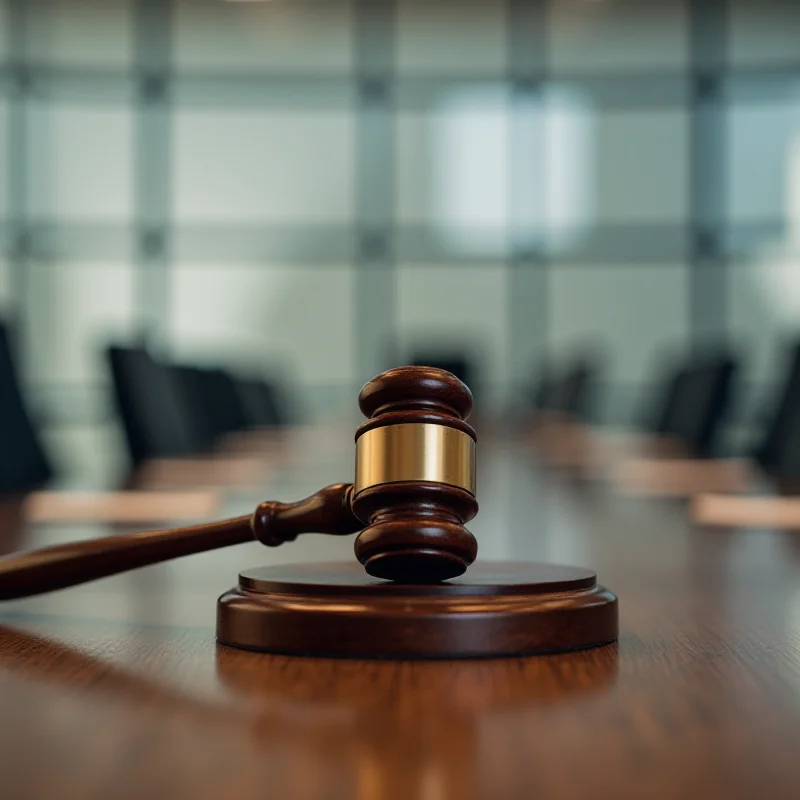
(413, 493)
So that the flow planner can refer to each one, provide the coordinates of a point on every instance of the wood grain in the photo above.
(120, 691)
(119, 507)
(728, 511)
(220, 471)
(684, 477)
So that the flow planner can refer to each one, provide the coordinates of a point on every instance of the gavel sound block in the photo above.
(413, 493)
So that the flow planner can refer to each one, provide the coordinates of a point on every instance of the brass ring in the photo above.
(415, 451)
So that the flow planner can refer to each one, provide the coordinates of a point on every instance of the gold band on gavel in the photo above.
(415, 451)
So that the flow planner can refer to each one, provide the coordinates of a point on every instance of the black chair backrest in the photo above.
(787, 463)
(24, 465)
(571, 391)
(660, 407)
(190, 382)
(221, 402)
(540, 387)
(262, 403)
(778, 452)
(151, 406)
(700, 397)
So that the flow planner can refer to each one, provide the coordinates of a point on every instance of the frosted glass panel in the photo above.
(479, 166)
(764, 310)
(586, 36)
(443, 308)
(450, 37)
(642, 167)
(263, 167)
(568, 158)
(3, 152)
(574, 166)
(254, 315)
(452, 169)
(74, 311)
(80, 32)
(5, 286)
(4, 38)
(764, 161)
(763, 32)
(297, 36)
(80, 163)
(628, 312)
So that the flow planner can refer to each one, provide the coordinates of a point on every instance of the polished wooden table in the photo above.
(118, 690)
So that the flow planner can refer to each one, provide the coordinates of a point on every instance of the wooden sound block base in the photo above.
(495, 609)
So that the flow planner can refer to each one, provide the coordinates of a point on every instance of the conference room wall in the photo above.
(5, 285)
(518, 178)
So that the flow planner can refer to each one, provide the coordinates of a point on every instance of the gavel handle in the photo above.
(272, 523)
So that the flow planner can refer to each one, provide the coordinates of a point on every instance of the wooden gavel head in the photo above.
(415, 476)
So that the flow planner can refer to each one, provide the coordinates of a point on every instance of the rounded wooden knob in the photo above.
(415, 476)
(416, 389)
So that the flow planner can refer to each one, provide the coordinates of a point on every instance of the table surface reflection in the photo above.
(118, 689)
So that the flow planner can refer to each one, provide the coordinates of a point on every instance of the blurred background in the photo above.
(317, 190)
